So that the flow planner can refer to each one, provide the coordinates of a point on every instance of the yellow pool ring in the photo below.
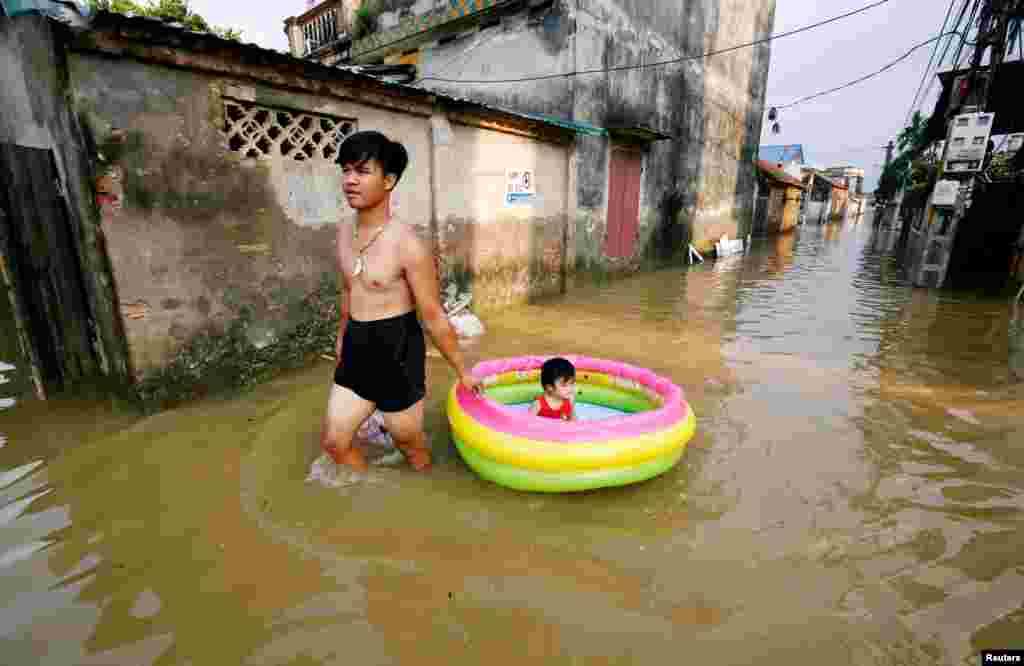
(529, 453)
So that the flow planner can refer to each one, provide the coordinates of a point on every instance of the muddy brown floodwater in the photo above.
(853, 496)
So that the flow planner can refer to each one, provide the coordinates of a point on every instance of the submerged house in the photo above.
(666, 138)
(849, 180)
(779, 199)
(816, 204)
(169, 200)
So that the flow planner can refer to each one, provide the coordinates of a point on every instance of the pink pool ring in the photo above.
(512, 448)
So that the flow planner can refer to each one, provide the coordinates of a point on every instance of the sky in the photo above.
(848, 127)
(853, 125)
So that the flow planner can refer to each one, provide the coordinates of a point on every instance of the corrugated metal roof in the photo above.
(775, 172)
(789, 153)
(114, 20)
(577, 126)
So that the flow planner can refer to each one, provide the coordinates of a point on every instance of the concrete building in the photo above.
(816, 204)
(975, 240)
(664, 154)
(840, 200)
(850, 176)
(779, 200)
(850, 180)
(169, 201)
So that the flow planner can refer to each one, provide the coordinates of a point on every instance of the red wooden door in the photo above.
(623, 203)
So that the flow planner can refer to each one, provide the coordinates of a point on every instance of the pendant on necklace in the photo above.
(358, 268)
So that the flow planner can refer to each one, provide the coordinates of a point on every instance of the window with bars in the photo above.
(262, 132)
(320, 30)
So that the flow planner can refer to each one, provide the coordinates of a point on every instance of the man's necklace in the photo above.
(360, 262)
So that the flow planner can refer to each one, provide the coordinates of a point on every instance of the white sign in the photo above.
(969, 138)
(945, 193)
(519, 187)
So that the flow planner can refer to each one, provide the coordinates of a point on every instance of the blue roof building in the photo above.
(782, 154)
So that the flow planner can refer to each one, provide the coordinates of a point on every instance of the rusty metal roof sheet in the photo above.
(184, 38)
(775, 172)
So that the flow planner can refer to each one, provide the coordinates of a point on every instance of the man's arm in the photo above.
(342, 318)
(343, 295)
(422, 277)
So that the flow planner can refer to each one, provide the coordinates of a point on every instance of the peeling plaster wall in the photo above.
(840, 202)
(35, 115)
(698, 185)
(506, 254)
(197, 233)
(218, 257)
(783, 207)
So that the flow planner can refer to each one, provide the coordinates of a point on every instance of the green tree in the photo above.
(177, 11)
(913, 135)
(907, 170)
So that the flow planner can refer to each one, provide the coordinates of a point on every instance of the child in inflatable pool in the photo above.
(558, 378)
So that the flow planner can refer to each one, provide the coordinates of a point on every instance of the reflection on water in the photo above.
(853, 494)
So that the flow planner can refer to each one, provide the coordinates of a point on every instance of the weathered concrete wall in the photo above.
(35, 115)
(776, 209)
(201, 236)
(840, 201)
(223, 248)
(506, 253)
(815, 213)
(698, 185)
(790, 208)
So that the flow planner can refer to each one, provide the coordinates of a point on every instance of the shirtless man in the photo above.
(388, 274)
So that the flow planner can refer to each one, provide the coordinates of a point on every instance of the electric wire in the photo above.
(672, 61)
(927, 68)
(866, 76)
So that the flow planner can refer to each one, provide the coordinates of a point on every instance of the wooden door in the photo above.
(42, 262)
(623, 203)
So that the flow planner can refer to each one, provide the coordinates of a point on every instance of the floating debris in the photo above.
(963, 415)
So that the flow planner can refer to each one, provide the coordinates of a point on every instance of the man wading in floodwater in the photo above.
(387, 274)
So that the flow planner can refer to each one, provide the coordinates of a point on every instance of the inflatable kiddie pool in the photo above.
(634, 426)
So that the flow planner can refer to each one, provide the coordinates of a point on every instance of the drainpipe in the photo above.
(440, 135)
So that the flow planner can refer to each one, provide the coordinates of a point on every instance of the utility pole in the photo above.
(879, 214)
(992, 32)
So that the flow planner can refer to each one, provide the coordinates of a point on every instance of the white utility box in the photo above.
(945, 193)
(968, 142)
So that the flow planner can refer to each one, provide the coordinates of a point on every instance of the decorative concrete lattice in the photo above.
(261, 132)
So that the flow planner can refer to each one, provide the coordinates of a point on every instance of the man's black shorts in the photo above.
(383, 361)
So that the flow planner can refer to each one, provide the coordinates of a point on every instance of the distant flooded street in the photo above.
(854, 495)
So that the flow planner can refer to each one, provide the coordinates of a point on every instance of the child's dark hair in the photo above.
(369, 145)
(555, 369)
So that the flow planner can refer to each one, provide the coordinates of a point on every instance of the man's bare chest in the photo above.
(377, 269)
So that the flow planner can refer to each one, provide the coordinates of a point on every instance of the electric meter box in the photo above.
(945, 193)
(968, 142)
